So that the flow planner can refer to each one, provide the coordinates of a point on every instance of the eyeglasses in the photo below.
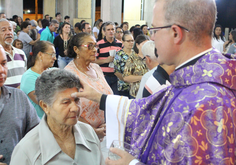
(144, 58)
(52, 54)
(90, 46)
(129, 40)
(119, 32)
(155, 29)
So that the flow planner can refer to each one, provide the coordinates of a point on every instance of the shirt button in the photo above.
(1, 141)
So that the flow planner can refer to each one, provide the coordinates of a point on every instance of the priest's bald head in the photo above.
(182, 28)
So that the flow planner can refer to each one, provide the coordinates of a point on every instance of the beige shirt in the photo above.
(39, 147)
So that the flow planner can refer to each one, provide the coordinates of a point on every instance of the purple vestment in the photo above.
(191, 122)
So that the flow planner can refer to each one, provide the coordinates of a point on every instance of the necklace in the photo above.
(85, 73)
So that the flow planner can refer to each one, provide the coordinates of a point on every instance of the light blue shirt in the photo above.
(47, 35)
(28, 85)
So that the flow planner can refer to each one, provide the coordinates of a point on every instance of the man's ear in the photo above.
(177, 33)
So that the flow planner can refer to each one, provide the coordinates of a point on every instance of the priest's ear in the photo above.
(177, 33)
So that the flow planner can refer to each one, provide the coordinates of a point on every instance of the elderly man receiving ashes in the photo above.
(59, 138)
(193, 120)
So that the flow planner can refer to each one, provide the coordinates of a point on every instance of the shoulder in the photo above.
(102, 41)
(19, 51)
(88, 132)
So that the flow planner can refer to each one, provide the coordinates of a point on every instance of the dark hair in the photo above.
(58, 13)
(27, 19)
(119, 28)
(67, 17)
(82, 21)
(46, 16)
(14, 17)
(39, 20)
(221, 35)
(116, 24)
(139, 39)
(83, 25)
(136, 32)
(125, 34)
(15, 41)
(45, 23)
(124, 23)
(131, 29)
(137, 25)
(76, 40)
(39, 46)
(78, 25)
(233, 33)
(18, 21)
(65, 23)
(24, 25)
(100, 33)
(53, 22)
(142, 27)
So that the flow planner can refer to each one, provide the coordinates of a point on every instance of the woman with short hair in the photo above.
(42, 58)
(59, 138)
(82, 49)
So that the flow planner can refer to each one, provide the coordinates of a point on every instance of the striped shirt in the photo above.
(103, 52)
(16, 67)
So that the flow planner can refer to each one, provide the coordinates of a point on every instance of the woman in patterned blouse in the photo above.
(135, 66)
(120, 61)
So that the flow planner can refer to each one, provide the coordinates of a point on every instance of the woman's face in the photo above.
(129, 42)
(218, 31)
(125, 27)
(119, 34)
(100, 24)
(139, 46)
(87, 52)
(65, 109)
(66, 29)
(19, 45)
(19, 19)
(49, 57)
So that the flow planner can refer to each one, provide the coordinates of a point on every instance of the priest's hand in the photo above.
(88, 93)
(126, 158)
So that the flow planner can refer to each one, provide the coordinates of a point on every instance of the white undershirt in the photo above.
(191, 59)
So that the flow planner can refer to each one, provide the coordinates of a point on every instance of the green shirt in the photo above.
(47, 35)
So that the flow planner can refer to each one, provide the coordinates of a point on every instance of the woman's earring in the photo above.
(77, 57)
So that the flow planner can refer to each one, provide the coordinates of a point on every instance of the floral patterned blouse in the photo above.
(119, 66)
(137, 67)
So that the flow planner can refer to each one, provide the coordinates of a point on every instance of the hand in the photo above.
(125, 159)
(88, 93)
(1, 157)
(65, 52)
(110, 59)
(101, 132)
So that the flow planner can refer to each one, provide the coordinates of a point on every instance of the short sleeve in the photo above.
(27, 38)
(28, 82)
(232, 49)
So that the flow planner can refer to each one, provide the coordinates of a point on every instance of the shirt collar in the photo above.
(191, 59)
(48, 144)
(5, 92)
(114, 41)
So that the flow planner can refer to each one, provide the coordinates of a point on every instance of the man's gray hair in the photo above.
(198, 16)
(106, 24)
(148, 49)
(4, 19)
(53, 22)
(53, 81)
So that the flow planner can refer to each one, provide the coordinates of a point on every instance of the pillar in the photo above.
(86, 11)
(49, 7)
(148, 11)
(111, 10)
(68, 7)
(132, 12)
(12, 7)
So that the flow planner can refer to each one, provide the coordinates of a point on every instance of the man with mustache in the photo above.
(16, 58)
(17, 114)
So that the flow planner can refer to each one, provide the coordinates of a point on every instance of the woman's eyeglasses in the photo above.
(129, 40)
(90, 46)
(52, 54)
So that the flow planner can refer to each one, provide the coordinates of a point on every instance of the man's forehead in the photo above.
(5, 23)
(158, 14)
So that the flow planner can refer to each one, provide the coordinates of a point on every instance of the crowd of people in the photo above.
(169, 91)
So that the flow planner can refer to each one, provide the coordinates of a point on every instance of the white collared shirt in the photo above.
(40, 147)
